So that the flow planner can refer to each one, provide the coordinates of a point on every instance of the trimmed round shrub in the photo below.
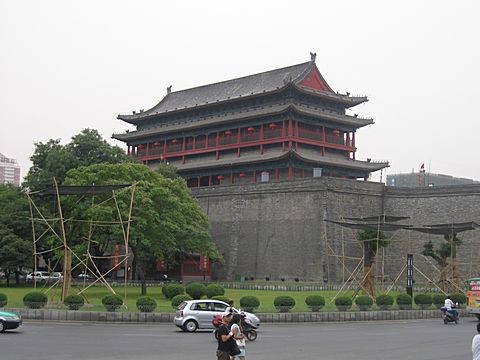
(172, 290)
(315, 302)
(249, 303)
(364, 302)
(3, 299)
(74, 302)
(284, 303)
(215, 290)
(196, 290)
(112, 302)
(404, 301)
(163, 288)
(178, 299)
(384, 301)
(459, 298)
(146, 304)
(222, 298)
(438, 299)
(35, 300)
(343, 303)
(424, 301)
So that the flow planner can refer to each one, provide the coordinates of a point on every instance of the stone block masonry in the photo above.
(276, 229)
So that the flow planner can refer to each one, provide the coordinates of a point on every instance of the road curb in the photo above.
(293, 317)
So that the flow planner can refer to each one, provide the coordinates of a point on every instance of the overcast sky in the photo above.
(66, 66)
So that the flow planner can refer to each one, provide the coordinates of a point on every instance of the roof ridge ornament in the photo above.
(313, 57)
(169, 89)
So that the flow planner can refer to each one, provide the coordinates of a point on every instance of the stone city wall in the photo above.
(276, 229)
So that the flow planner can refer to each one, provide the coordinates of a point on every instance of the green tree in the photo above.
(53, 160)
(166, 220)
(446, 250)
(15, 231)
(15, 253)
(371, 241)
(14, 212)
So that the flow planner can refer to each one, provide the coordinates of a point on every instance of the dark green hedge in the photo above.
(74, 302)
(146, 304)
(196, 290)
(35, 300)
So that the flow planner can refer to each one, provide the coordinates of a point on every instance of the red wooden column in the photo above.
(277, 175)
(238, 142)
(183, 150)
(198, 184)
(217, 155)
(296, 134)
(290, 173)
(206, 140)
(210, 180)
(284, 130)
(324, 139)
(290, 133)
(164, 147)
(254, 176)
(128, 149)
(194, 142)
(148, 149)
(261, 138)
(302, 173)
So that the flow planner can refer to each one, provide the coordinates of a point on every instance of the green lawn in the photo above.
(95, 293)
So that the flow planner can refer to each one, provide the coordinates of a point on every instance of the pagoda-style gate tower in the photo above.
(282, 124)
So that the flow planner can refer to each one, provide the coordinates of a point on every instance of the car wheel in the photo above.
(445, 321)
(3, 326)
(190, 326)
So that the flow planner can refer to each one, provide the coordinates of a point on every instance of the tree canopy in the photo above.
(15, 231)
(53, 160)
(166, 220)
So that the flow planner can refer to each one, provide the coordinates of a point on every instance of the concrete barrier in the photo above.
(138, 317)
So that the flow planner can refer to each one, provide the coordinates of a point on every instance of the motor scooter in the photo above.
(249, 329)
(449, 316)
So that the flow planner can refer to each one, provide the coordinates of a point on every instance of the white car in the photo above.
(198, 314)
(39, 276)
(44, 276)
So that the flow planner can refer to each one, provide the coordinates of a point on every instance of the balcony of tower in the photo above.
(284, 133)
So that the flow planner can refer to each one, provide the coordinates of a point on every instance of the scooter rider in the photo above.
(451, 306)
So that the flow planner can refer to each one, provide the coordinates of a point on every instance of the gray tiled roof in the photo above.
(235, 88)
(346, 120)
(309, 156)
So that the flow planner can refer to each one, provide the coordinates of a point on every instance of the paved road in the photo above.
(415, 340)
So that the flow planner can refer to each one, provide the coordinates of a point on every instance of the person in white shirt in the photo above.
(451, 306)
(476, 344)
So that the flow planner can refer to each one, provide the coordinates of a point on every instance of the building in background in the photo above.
(283, 124)
(423, 179)
(9, 171)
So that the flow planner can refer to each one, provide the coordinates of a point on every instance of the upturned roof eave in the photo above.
(356, 122)
(357, 165)
(352, 101)
(133, 119)
(345, 99)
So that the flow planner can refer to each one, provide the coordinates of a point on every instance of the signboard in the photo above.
(204, 261)
(410, 274)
